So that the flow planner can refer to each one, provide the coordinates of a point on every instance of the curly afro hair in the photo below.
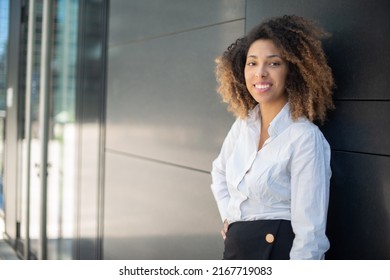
(309, 83)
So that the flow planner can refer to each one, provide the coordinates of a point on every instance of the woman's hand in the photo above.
(224, 229)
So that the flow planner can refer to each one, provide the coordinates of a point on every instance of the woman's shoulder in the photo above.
(303, 127)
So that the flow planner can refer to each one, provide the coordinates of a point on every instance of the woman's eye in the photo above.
(274, 64)
(251, 63)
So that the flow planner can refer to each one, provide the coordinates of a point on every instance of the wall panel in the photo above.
(359, 126)
(135, 20)
(165, 125)
(162, 102)
(359, 212)
(158, 211)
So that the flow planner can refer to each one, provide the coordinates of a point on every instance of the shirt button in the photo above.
(269, 238)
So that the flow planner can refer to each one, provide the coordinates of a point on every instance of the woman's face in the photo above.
(265, 73)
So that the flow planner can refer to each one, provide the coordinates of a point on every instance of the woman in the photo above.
(271, 178)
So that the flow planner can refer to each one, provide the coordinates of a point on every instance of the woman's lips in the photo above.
(263, 87)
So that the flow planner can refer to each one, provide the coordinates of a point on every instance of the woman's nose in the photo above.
(261, 72)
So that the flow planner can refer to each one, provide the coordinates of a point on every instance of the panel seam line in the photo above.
(157, 161)
(171, 33)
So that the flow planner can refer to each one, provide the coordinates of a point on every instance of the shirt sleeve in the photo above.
(218, 173)
(310, 180)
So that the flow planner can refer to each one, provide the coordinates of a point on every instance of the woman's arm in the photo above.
(310, 180)
(218, 173)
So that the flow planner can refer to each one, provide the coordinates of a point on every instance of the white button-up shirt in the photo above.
(287, 179)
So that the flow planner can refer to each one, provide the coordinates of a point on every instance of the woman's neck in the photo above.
(269, 111)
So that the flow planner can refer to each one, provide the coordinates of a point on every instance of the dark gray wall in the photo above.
(165, 124)
(359, 54)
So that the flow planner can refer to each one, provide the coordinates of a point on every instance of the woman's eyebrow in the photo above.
(274, 55)
(268, 56)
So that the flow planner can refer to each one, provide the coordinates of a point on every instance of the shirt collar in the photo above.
(279, 123)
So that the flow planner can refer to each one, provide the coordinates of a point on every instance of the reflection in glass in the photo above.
(61, 169)
(61, 143)
(4, 21)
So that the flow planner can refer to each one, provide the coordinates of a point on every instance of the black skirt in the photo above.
(259, 240)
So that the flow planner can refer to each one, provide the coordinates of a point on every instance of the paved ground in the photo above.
(6, 252)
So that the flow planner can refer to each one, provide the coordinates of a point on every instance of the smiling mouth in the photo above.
(262, 87)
